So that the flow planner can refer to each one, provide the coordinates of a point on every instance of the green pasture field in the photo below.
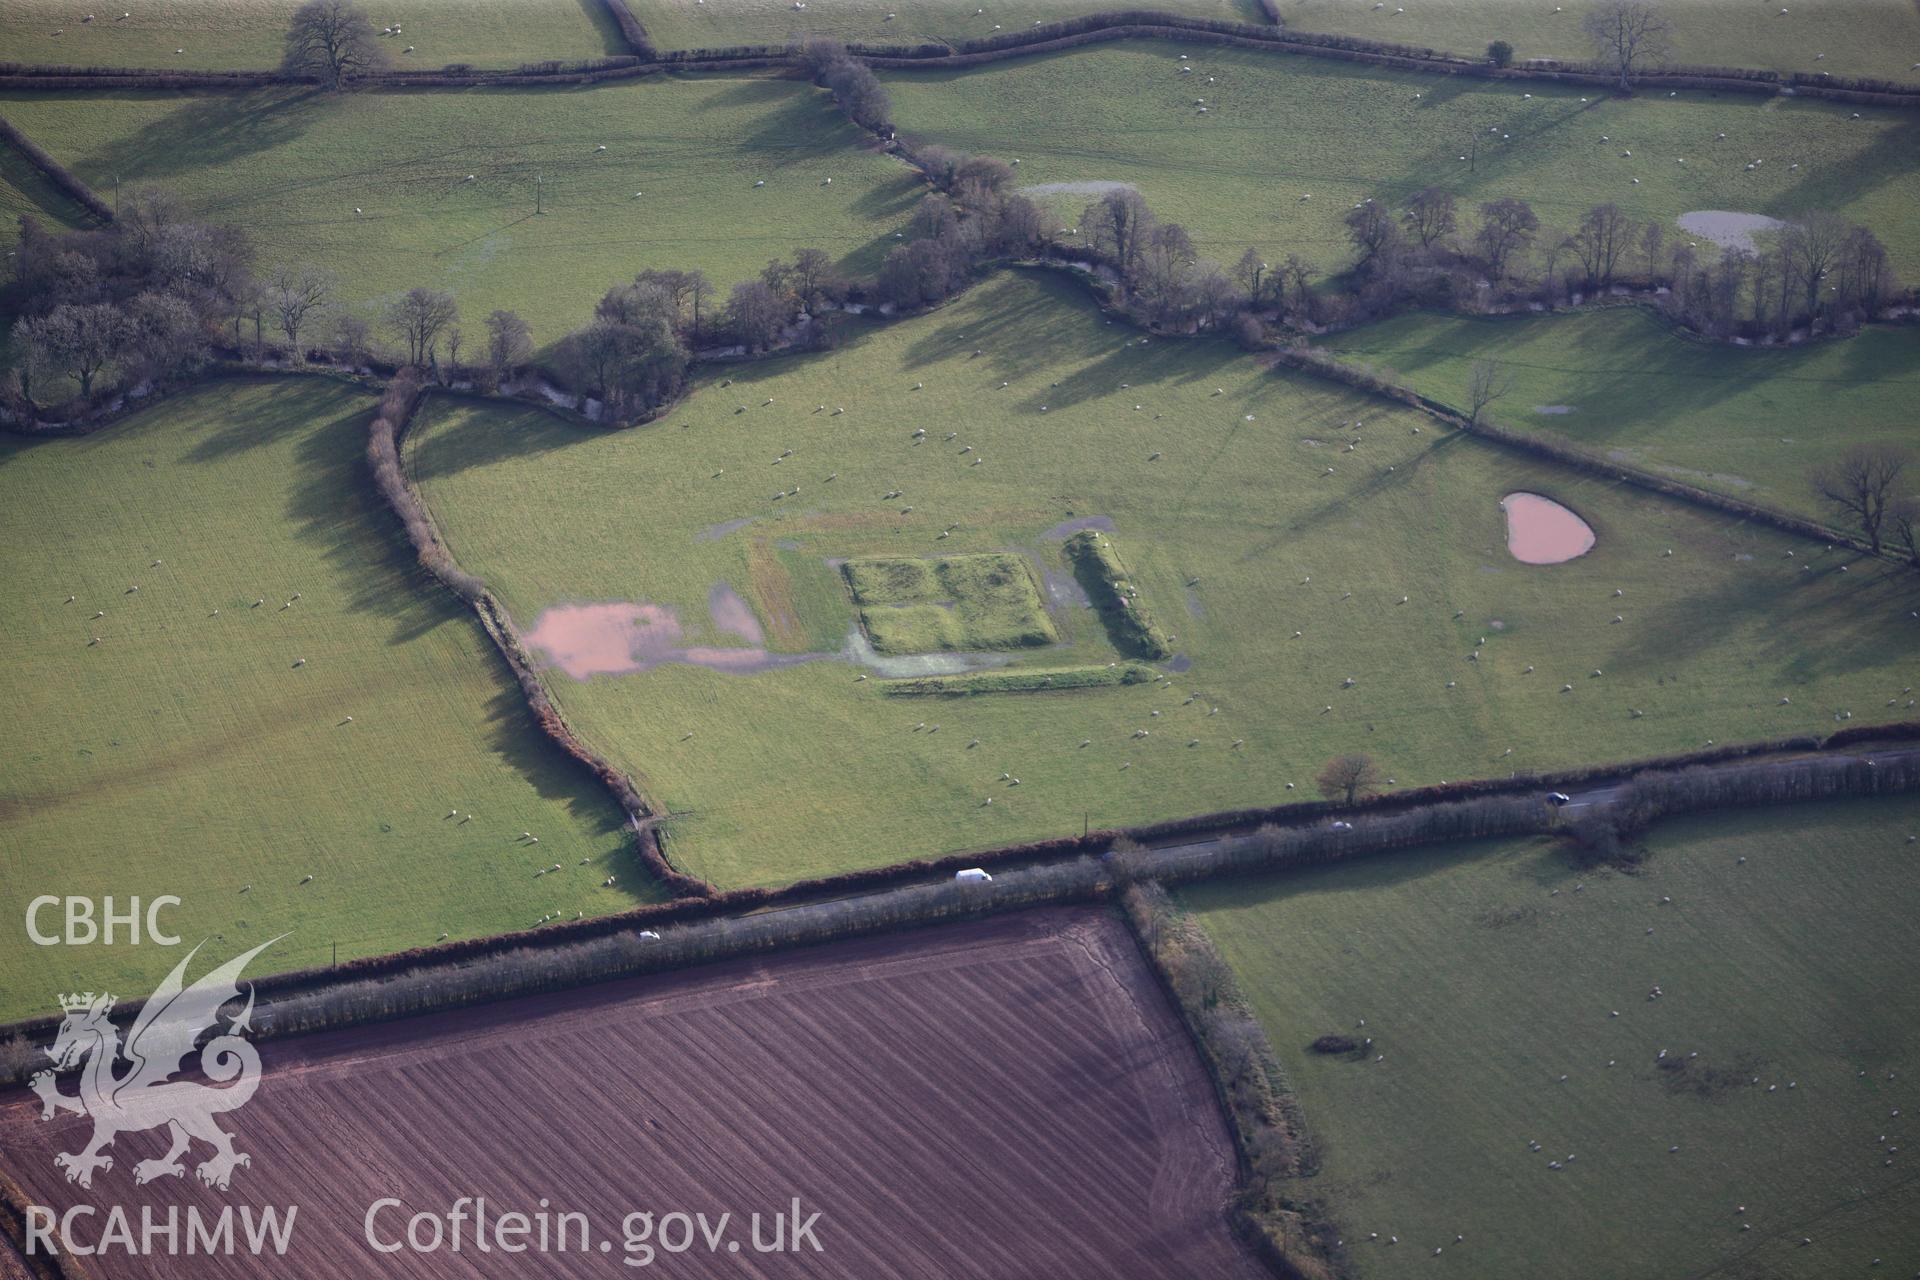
(292, 167)
(1488, 976)
(805, 770)
(214, 35)
(690, 24)
(1280, 129)
(1745, 421)
(916, 605)
(1874, 38)
(186, 754)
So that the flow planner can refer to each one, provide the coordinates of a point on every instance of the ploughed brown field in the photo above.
(1012, 1097)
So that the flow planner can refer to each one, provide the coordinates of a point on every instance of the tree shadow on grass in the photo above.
(447, 441)
(336, 513)
(288, 408)
(1381, 485)
(555, 776)
(1822, 625)
(205, 132)
(1889, 159)
(1028, 335)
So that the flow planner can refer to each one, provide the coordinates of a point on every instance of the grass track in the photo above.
(1482, 988)
(1747, 422)
(292, 167)
(212, 35)
(1279, 128)
(804, 771)
(185, 753)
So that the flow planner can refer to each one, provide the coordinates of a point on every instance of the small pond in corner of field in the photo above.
(1541, 531)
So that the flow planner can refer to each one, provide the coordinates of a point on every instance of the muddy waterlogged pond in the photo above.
(586, 640)
(1541, 531)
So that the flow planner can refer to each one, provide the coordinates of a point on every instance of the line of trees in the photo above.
(1817, 270)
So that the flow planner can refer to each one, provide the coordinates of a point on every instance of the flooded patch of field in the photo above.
(1727, 229)
(586, 640)
(903, 665)
(1541, 531)
(1063, 589)
(733, 615)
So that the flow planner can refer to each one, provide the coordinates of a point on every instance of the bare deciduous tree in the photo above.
(1601, 239)
(1117, 224)
(352, 337)
(417, 318)
(294, 293)
(509, 345)
(1429, 215)
(1490, 381)
(334, 40)
(1903, 524)
(756, 314)
(1372, 230)
(1348, 777)
(1506, 228)
(1628, 36)
(1812, 245)
(1861, 484)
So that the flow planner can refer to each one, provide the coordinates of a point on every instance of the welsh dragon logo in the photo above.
(145, 1095)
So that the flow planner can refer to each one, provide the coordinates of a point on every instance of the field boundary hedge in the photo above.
(1115, 24)
(1270, 1137)
(64, 179)
(386, 440)
(1272, 837)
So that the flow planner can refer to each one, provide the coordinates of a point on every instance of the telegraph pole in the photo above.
(539, 190)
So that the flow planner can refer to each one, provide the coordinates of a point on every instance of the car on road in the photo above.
(1559, 797)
